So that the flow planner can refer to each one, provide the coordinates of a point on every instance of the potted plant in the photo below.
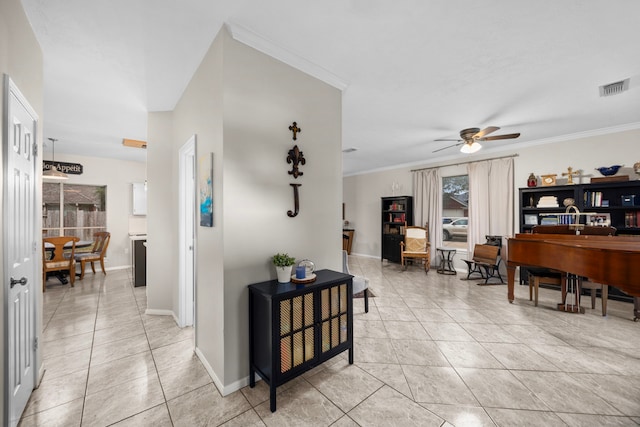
(284, 264)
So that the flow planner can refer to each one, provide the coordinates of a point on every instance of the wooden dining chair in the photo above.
(97, 254)
(58, 255)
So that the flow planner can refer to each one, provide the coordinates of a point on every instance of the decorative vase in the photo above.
(284, 274)
(532, 181)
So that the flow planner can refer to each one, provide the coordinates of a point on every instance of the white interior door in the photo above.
(187, 214)
(20, 250)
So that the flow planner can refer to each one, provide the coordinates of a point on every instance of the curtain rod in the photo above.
(464, 163)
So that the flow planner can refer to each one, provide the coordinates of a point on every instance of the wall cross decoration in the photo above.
(295, 129)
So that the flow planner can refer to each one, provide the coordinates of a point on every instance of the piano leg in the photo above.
(636, 309)
(511, 275)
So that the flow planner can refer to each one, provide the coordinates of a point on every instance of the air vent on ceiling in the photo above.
(614, 88)
(349, 150)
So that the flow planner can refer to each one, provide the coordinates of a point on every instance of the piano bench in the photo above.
(541, 275)
(551, 277)
(586, 284)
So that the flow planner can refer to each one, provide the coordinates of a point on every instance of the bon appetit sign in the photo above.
(68, 168)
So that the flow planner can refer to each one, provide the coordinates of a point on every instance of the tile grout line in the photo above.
(86, 385)
(155, 365)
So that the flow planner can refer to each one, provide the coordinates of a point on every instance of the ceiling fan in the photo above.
(471, 136)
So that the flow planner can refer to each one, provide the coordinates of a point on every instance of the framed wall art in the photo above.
(205, 189)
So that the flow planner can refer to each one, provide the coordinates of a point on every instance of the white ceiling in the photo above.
(412, 71)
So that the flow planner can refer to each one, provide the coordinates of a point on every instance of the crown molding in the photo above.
(441, 161)
(585, 134)
(268, 47)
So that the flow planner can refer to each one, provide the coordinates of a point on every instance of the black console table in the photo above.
(295, 327)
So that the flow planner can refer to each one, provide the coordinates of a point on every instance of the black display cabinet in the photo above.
(295, 327)
(396, 214)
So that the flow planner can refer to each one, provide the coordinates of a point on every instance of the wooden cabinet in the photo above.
(397, 213)
(295, 327)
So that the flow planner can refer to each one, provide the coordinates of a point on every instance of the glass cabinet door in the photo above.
(296, 331)
(333, 302)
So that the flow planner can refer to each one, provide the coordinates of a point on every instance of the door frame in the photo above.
(187, 245)
(11, 89)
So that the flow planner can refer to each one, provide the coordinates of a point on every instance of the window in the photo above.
(84, 210)
(455, 208)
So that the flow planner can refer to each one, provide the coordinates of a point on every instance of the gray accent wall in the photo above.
(240, 103)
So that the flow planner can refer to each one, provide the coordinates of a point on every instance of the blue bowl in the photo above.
(608, 171)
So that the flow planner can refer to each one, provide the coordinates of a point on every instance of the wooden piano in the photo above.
(611, 260)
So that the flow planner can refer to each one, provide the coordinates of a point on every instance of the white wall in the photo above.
(118, 176)
(21, 59)
(162, 229)
(200, 112)
(362, 192)
(262, 98)
(239, 104)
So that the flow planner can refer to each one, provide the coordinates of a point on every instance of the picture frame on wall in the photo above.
(205, 189)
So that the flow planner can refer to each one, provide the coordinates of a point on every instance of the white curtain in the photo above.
(427, 204)
(490, 200)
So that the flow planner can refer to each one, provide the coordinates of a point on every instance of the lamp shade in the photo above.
(54, 173)
(470, 148)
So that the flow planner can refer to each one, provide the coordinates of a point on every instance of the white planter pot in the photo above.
(284, 274)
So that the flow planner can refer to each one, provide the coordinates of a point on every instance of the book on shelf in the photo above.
(631, 219)
(593, 199)
(567, 219)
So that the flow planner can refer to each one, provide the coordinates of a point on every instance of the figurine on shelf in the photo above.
(610, 170)
(532, 181)
(570, 173)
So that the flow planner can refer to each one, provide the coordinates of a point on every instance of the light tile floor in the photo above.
(432, 351)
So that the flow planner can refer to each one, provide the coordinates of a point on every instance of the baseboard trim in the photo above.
(157, 312)
(224, 390)
(117, 267)
(41, 372)
(212, 374)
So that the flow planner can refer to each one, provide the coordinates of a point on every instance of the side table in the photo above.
(446, 261)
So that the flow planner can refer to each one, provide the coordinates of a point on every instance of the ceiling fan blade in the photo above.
(449, 146)
(506, 136)
(459, 140)
(485, 131)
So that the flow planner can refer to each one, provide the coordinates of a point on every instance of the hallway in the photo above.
(432, 351)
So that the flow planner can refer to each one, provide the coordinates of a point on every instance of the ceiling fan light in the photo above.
(470, 148)
(54, 173)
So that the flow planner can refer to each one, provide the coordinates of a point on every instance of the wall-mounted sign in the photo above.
(68, 168)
